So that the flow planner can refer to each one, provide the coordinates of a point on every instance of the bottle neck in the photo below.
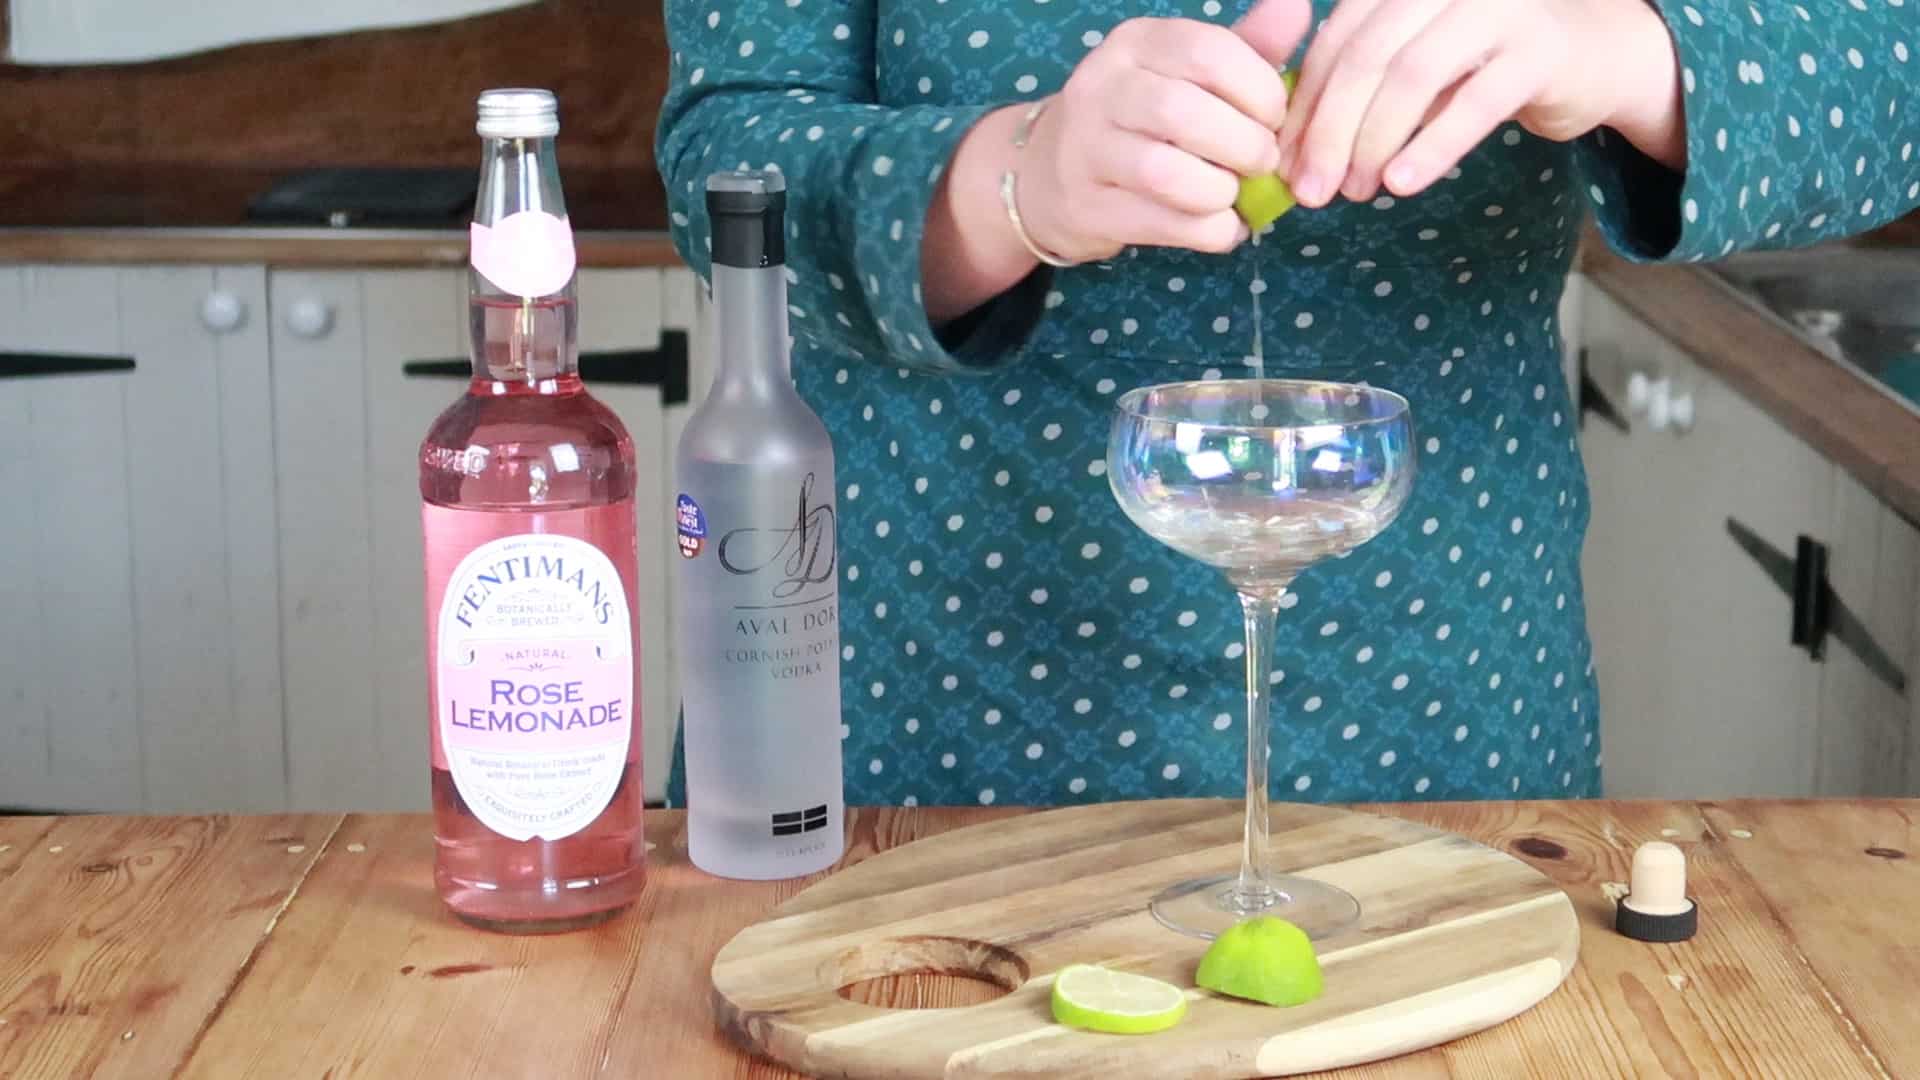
(523, 325)
(750, 329)
(516, 175)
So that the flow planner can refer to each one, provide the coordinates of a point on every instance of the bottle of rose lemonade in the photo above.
(527, 488)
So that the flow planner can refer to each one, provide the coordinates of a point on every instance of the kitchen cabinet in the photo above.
(348, 423)
(1699, 506)
(211, 594)
(139, 636)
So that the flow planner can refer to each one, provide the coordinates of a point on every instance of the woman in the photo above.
(1009, 636)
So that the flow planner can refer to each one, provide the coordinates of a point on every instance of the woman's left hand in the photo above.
(1396, 92)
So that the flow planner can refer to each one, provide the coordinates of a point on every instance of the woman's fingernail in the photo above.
(1242, 235)
(1401, 176)
(1313, 188)
(1271, 162)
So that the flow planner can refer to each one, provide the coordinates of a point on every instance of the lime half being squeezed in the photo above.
(1263, 199)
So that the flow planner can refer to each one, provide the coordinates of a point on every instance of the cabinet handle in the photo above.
(665, 367)
(1811, 596)
(310, 319)
(1680, 411)
(1660, 404)
(1594, 400)
(1818, 611)
(36, 365)
(222, 312)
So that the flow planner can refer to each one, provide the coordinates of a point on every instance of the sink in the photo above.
(1859, 306)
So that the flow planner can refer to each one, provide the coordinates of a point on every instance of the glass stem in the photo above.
(1255, 891)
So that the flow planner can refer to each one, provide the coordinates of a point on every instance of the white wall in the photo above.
(119, 31)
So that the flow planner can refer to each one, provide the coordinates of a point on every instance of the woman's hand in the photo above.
(1145, 144)
(1147, 141)
(1396, 92)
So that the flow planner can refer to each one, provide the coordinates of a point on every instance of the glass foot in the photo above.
(1204, 907)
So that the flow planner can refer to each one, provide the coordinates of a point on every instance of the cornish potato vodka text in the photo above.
(527, 489)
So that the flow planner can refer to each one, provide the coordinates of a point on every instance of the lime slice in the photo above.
(1263, 959)
(1263, 199)
(1119, 1002)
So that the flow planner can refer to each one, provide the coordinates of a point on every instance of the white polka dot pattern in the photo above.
(1007, 635)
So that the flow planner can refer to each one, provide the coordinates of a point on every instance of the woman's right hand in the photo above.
(1147, 141)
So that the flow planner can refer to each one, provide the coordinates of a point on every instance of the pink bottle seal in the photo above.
(527, 254)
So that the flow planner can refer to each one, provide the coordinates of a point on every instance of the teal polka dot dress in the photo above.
(1008, 636)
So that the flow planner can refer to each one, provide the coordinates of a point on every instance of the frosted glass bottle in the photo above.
(758, 572)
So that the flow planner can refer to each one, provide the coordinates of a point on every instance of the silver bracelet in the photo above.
(1009, 184)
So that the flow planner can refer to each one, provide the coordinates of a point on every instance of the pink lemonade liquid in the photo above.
(527, 483)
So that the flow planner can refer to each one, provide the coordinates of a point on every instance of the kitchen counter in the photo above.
(1841, 415)
(111, 219)
(298, 247)
(313, 945)
(181, 214)
(219, 197)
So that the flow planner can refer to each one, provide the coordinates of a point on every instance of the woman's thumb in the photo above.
(1275, 28)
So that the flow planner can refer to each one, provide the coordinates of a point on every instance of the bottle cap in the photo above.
(746, 191)
(1656, 907)
(518, 114)
(748, 211)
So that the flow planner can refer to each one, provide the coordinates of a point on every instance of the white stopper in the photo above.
(1659, 882)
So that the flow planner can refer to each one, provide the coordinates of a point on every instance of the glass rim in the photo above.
(1128, 403)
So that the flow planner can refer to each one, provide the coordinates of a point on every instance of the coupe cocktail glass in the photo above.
(1260, 479)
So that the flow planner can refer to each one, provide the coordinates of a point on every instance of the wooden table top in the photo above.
(313, 946)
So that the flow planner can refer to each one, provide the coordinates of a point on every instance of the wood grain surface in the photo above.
(1805, 964)
(382, 97)
(1453, 937)
(123, 936)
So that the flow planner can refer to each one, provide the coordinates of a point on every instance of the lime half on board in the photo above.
(1262, 959)
(1118, 1002)
(1263, 199)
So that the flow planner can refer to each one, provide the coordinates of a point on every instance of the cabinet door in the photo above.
(349, 423)
(139, 660)
(1702, 694)
(410, 315)
(619, 310)
(337, 733)
(684, 309)
(1866, 717)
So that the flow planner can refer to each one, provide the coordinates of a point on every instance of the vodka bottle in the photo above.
(759, 636)
(527, 489)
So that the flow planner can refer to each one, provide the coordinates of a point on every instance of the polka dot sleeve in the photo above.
(789, 85)
(1797, 131)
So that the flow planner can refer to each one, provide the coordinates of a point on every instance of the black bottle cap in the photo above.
(748, 209)
(1661, 929)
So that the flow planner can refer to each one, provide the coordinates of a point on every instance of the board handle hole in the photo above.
(927, 972)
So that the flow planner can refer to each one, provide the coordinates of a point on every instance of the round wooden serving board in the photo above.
(1453, 937)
